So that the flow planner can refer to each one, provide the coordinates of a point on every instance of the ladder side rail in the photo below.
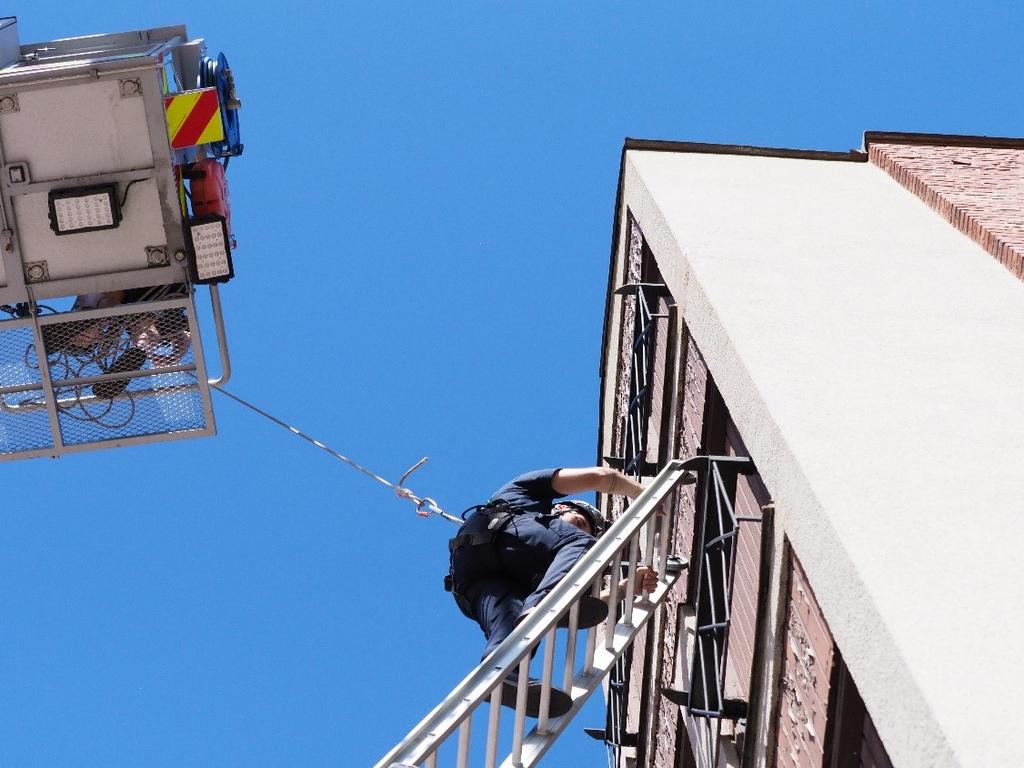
(537, 744)
(448, 716)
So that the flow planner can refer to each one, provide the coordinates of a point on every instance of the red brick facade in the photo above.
(623, 374)
(979, 190)
(806, 673)
(689, 428)
(693, 393)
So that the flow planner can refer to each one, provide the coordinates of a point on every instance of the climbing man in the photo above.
(514, 549)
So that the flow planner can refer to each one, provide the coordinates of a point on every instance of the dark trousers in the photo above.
(516, 570)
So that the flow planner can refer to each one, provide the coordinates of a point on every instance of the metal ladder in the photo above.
(638, 537)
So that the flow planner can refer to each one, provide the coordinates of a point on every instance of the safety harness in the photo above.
(498, 514)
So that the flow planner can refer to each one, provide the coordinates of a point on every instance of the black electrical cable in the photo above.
(23, 309)
(124, 197)
(101, 354)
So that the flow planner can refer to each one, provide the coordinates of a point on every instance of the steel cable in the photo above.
(425, 506)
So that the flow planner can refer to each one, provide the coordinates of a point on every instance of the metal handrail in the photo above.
(83, 400)
(484, 683)
(222, 340)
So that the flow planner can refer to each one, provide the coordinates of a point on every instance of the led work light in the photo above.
(210, 260)
(84, 209)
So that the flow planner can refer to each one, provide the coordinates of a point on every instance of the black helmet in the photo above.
(589, 511)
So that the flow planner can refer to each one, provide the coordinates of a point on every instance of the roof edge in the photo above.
(656, 145)
(941, 139)
(607, 321)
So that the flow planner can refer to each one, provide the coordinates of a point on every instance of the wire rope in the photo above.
(425, 506)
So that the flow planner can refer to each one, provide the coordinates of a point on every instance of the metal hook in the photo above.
(412, 469)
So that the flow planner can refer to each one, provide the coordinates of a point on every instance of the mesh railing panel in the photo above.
(26, 430)
(121, 343)
(17, 357)
(124, 372)
(129, 348)
(159, 404)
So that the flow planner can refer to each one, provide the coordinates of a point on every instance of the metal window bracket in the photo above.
(651, 289)
(624, 740)
(676, 564)
(643, 468)
(732, 709)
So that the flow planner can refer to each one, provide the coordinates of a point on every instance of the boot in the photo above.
(559, 703)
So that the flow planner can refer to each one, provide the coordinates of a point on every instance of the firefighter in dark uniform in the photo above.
(513, 550)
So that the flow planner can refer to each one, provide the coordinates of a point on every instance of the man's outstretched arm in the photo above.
(603, 479)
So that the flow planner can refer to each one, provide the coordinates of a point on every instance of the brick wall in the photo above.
(661, 394)
(806, 675)
(623, 373)
(979, 190)
(694, 386)
(693, 383)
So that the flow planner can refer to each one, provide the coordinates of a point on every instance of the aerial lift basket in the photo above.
(101, 252)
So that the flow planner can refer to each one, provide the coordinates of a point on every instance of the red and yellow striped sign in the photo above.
(193, 117)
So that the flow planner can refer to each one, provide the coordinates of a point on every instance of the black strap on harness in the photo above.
(472, 539)
(499, 514)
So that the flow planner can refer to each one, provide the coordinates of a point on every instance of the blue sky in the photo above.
(424, 214)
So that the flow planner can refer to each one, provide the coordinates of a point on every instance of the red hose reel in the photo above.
(209, 189)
